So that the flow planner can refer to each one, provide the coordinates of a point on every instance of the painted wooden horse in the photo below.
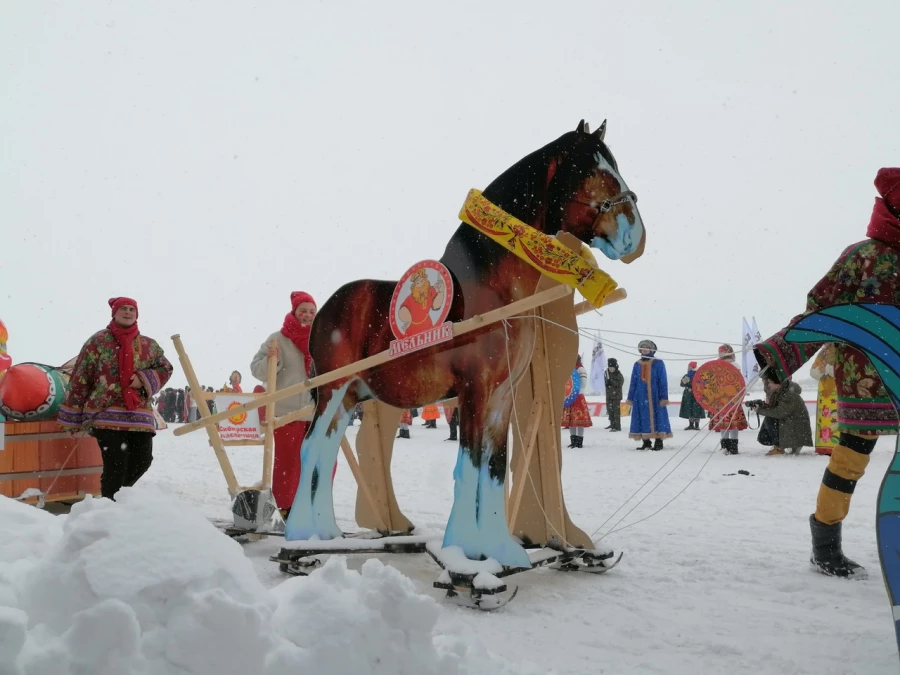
(573, 185)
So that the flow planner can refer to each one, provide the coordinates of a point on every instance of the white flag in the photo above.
(751, 337)
(746, 349)
(598, 366)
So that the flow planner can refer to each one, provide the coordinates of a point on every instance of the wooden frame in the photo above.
(535, 506)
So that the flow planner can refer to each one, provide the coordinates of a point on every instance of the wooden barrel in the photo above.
(39, 453)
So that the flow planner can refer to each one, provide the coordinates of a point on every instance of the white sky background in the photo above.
(207, 158)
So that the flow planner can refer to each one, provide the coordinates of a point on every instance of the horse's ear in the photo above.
(601, 131)
(581, 127)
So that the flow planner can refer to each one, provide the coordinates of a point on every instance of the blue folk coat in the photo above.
(649, 419)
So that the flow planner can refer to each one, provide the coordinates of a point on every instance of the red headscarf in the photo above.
(294, 331)
(884, 224)
(125, 339)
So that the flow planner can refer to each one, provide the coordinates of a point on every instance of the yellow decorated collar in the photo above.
(545, 253)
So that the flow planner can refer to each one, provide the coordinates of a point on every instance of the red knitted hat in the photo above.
(692, 365)
(887, 182)
(300, 296)
(115, 303)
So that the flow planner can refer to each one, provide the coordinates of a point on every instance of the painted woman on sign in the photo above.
(415, 312)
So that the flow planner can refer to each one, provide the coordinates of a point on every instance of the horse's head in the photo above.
(589, 198)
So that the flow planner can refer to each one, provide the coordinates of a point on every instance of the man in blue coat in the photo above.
(648, 395)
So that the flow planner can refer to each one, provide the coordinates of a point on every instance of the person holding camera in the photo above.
(866, 270)
(786, 405)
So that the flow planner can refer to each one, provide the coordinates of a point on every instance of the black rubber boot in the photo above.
(579, 441)
(572, 438)
(827, 557)
(647, 445)
(658, 444)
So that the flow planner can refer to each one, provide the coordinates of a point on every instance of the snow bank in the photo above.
(146, 585)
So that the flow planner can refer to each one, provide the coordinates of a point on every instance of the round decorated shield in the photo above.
(31, 392)
(421, 299)
(573, 388)
(717, 385)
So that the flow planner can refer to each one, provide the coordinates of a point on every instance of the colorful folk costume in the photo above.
(690, 409)
(294, 365)
(451, 414)
(648, 396)
(117, 372)
(430, 414)
(826, 404)
(577, 416)
(405, 421)
(731, 419)
(614, 382)
(865, 271)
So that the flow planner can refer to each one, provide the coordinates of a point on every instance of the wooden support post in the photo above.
(214, 440)
(269, 438)
(478, 322)
(375, 446)
(524, 461)
(363, 486)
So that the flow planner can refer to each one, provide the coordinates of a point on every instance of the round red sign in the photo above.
(421, 299)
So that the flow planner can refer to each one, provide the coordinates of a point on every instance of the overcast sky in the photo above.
(207, 158)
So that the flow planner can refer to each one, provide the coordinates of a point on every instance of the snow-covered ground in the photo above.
(715, 582)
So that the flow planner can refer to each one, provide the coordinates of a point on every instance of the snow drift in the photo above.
(147, 585)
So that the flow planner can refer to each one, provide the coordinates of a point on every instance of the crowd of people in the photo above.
(120, 373)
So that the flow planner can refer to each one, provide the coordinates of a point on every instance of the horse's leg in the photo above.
(312, 513)
(478, 518)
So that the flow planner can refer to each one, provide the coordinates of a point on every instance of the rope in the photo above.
(42, 500)
(731, 401)
(706, 431)
(664, 337)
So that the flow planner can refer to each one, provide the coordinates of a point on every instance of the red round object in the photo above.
(24, 387)
(719, 388)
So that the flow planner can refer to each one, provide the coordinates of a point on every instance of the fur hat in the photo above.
(612, 362)
(647, 344)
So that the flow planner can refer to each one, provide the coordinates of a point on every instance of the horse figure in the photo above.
(572, 185)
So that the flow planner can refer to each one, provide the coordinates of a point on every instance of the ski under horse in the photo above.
(573, 185)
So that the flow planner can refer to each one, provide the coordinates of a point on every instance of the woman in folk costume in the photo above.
(294, 365)
(577, 416)
(648, 394)
(731, 419)
(826, 405)
(866, 270)
(117, 372)
(430, 414)
(234, 383)
(405, 421)
(690, 409)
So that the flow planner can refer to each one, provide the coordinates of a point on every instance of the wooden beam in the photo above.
(269, 433)
(214, 439)
(461, 328)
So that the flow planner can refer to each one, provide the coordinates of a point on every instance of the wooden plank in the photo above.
(361, 483)
(461, 328)
(214, 438)
(269, 431)
(51, 436)
(523, 463)
(27, 475)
